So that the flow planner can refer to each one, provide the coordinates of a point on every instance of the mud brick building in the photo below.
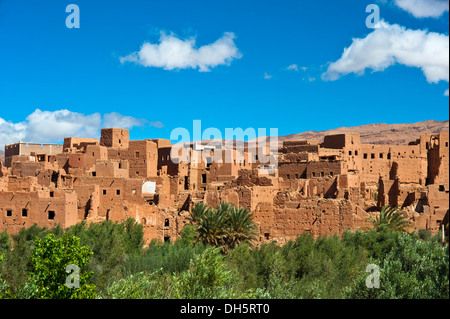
(320, 188)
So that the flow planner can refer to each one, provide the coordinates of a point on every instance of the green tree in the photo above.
(208, 277)
(108, 242)
(4, 287)
(140, 285)
(240, 228)
(225, 226)
(49, 261)
(5, 242)
(15, 266)
(133, 236)
(391, 218)
(413, 269)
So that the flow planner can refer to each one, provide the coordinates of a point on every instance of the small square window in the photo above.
(322, 174)
(52, 194)
(9, 213)
(104, 192)
(381, 155)
(51, 214)
(24, 212)
(372, 155)
(365, 156)
(137, 154)
(118, 192)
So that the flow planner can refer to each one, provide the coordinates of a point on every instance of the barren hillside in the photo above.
(394, 134)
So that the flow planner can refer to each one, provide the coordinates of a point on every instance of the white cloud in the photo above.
(295, 67)
(391, 44)
(446, 92)
(173, 53)
(424, 8)
(156, 124)
(53, 126)
(118, 120)
(267, 76)
(11, 132)
(309, 79)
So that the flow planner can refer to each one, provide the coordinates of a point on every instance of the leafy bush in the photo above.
(111, 244)
(412, 265)
(140, 285)
(412, 269)
(48, 262)
(15, 266)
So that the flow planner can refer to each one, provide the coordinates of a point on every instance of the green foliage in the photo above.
(391, 218)
(412, 265)
(133, 236)
(5, 242)
(111, 243)
(140, 285)
(208, 277)
(188, 235)
(226, 226)
(168, 257)
(15, 266)
(412, 269)
(4, 287)
(48, 262)
(424, 234)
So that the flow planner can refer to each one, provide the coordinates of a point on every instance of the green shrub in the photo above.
(412, 269)
(49, 261)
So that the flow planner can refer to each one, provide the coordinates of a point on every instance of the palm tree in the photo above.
(210, 224)
(226, 226)
(198, 212)
(241, 227)
(391, 218)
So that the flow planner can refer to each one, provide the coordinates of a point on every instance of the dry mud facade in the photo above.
(320, 188)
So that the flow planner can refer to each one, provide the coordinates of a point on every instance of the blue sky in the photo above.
(48, 67)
